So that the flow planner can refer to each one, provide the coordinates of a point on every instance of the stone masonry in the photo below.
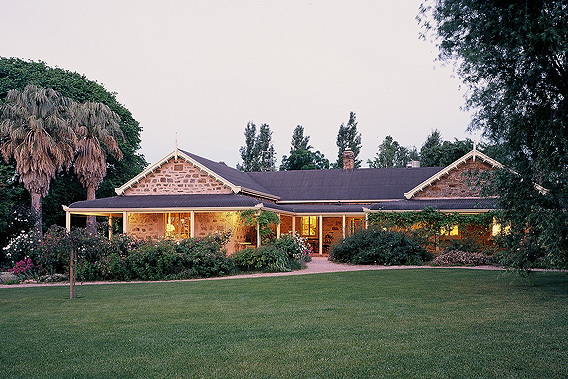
(179, 177)
(460, 182)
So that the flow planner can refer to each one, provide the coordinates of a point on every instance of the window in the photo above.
(177, 225)
(309, 226)
(449, 231)
(497, 229)
(356, 225)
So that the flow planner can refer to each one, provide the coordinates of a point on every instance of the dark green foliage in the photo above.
(122, 258)
(392, 154)
(348, 138)
(266, 220)
(377, 246)
(425, 226)
(301, 155)
(512, 56)
(258, 153)
(65, 188)
(281, 255)
(14, 205)
(267, 258)
(438, 153)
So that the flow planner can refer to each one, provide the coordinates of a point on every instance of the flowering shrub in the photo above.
(296, 247)
(459, 258)
(22, 246)
(281, 255)
(24, 269)
(125, 258)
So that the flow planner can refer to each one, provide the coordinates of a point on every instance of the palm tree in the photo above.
(35, 132)
(95, 125)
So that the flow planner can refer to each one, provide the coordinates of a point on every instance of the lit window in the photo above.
(309, 226)
(449, 231)
(498, 229)
(177, 225)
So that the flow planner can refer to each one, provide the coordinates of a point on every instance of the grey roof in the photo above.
(438, 204)
(347, 185)
(237, 177)
(167, 201)
(318, 208)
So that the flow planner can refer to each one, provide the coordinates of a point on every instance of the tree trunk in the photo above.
(91, 220)
(37, 213)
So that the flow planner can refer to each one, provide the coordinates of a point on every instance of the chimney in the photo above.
(348, 160)
(413, 164)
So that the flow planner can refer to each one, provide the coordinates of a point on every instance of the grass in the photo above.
(391, 323)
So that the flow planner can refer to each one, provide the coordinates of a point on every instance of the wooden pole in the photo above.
(72, 294)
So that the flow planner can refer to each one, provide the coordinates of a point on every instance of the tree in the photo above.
(65, 187)
(348, 138)
(258, 153)
(513, 57)
(250, 162)
(265, 149)
(35, 132)
(301, 155)
(95, 126)
(392, 154)
(438, 153)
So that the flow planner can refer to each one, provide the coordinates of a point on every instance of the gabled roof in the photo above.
(474, 154)
(361, 185)
(236, 180)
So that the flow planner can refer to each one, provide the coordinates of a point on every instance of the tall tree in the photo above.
(392, 154)
(258, 153)
(513, 57)
(438, 153)
(265, 149)
(348, 138)
(95, 126)
(65, 187)
(250, 161)
(301, 155)
(35, 132)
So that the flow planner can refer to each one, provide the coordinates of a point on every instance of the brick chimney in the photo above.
(348, 160)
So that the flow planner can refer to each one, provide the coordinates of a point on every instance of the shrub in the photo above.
(24, 269)
(203, 257)
(295, 247)
(54, 251)
(281, 255)
(21, 247)
(267, 258)
(459, 258)
(377, 246)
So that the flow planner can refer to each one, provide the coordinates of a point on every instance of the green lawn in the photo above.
(403, 323)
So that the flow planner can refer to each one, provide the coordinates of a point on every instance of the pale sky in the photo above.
(204, 69)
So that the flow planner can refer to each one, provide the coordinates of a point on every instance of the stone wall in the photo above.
(460, 182)
(146, 225)
(179, 177)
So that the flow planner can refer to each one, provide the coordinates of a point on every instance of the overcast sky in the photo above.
(204, 69)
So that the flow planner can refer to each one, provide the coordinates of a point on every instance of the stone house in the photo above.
(185, 195)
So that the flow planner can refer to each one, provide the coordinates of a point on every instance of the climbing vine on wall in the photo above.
(266, 220)
(427, 225)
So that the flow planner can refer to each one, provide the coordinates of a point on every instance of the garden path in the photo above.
(318, 265)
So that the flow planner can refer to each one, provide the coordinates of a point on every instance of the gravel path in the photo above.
(318, 265)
